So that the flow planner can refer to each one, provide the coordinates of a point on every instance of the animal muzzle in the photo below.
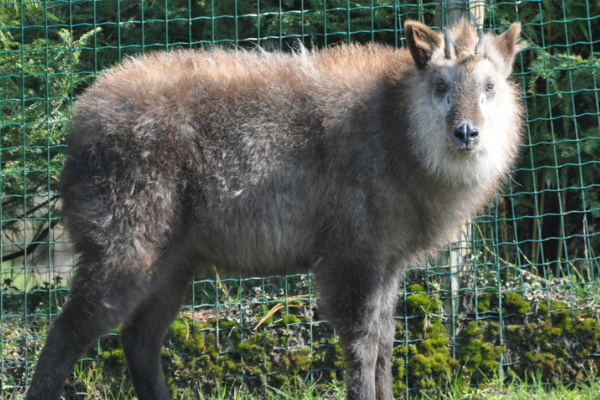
(466, 136)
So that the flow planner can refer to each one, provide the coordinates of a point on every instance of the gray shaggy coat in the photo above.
(350, 162)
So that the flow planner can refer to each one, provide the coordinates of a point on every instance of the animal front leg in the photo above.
(361, 358)
(350, 298)
(387, 329)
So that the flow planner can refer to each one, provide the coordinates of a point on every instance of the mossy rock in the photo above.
(430, 363)
(479, 358)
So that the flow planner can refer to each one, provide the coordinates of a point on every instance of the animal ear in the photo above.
(422, 42)
(507, 44)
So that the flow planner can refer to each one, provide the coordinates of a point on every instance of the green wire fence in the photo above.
(518, 292)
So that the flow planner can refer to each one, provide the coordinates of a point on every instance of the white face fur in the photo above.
(454, 92)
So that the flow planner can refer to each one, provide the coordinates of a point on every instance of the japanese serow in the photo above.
(350, 162)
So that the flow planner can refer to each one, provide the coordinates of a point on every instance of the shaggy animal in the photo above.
(350, 162)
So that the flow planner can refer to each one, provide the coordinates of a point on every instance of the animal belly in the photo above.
(257, 245)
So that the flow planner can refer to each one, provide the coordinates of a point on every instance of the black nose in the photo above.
(466, 134)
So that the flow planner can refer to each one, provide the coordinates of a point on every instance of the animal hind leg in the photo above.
(101, 297)
(120, 213)
(143, 334)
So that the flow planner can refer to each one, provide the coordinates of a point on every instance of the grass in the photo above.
(517, 389)
(514, 389)
(498, 390)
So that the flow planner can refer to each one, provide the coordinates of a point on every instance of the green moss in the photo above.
(115, 354)
(587, 331)
(547, 363)
(418, 303)
(495, 330)
(192, 342)
(224, 324)
(479, 358)
(289, 319)
(514, 303)
(562, 318)
(557, 305)
(416, 288)
(485, 303)
(400, 350)
(557, 345)
(299, 361)
(267, 321)
(430, 362)
(339, 358)
(422, 304)
(180, 329)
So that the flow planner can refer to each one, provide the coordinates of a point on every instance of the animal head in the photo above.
(465, 113)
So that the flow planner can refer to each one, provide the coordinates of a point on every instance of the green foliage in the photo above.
(34, 297)
(555, 179)
(39, 73)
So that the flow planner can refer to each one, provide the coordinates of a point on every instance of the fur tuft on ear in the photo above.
(506, 43)
(422, 42)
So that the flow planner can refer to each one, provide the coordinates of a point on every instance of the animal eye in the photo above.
(441, 87)
(489, 87)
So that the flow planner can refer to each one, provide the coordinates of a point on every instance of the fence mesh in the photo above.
(517, 292)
